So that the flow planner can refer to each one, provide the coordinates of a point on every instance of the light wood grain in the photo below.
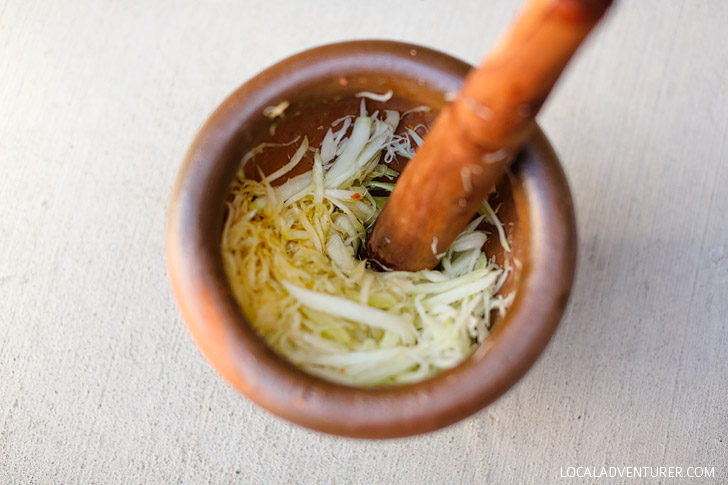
(101, 382)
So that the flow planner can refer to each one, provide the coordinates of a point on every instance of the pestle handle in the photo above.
(475, 138)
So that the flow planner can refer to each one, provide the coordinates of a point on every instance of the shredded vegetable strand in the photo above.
(290, 255)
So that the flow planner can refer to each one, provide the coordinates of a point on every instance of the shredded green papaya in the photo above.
(290, 253)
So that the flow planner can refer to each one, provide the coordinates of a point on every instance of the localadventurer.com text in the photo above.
(637, 472)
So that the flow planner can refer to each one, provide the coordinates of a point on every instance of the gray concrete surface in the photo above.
(99, 380)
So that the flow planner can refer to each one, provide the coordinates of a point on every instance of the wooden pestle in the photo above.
(475, 138)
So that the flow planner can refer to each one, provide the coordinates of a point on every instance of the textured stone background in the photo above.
(99, 380)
